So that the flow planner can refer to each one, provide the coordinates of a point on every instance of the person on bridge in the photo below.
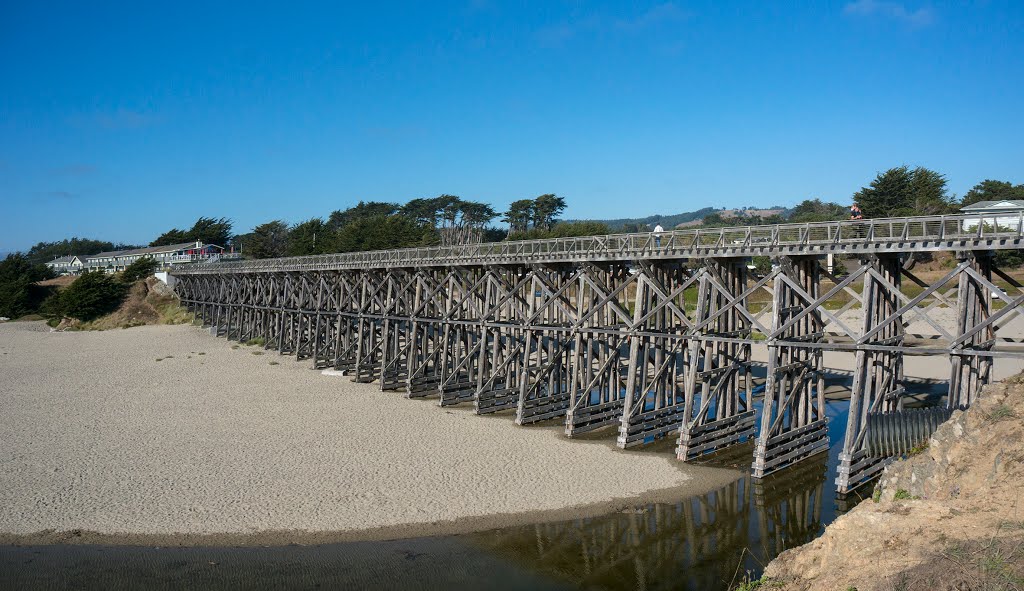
(857, 214)
(657, 235)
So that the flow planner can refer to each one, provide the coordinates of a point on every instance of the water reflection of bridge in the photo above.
(698, 543)
(651, 336)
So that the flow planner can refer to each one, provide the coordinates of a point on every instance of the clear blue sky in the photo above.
(119, 121)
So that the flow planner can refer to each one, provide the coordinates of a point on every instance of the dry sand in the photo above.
(166, 435)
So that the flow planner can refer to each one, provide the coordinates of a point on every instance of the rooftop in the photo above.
(149, 250)
(1001, 204)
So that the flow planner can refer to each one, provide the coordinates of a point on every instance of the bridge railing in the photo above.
(914, 233)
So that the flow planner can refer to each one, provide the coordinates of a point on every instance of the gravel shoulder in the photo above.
(167, 435)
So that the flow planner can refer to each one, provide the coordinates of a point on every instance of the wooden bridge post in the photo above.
(291, 312)
(544, 382)
(306, 313)
(219, 310)
(975, 330)
(272, 310)
(227, 320)
(373, 286)
(210, 302)
(346, 340)
(462, 336)
(203, 293)
(183, 288)
(596, 365)
(282, 314)
(425, 311)
(719, 409)
(500, 354)
(245, 304)
(394, 319)
(659, 327)
(326, 321)
(793, 422)
(878, 374)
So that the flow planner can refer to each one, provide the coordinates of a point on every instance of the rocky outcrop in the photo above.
(950, 517)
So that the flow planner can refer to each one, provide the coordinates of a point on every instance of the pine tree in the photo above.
(269, 240)
(989, 190)
(519, 215)
(901, 192)
(140, 269)
(92, 295)
(308, 237)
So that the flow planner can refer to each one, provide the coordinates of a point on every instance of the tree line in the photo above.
(446, 220)
(897, 192)
(47, 251)
(450, 220)
(905, 191)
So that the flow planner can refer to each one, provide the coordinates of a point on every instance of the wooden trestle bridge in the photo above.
(651, 333)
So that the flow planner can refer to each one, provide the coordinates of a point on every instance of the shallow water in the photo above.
(704, 542)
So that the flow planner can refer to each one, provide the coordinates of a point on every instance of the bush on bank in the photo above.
(19, 295)
(92, 295)
(140, 269)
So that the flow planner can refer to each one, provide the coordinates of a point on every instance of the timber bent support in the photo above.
(653, 338)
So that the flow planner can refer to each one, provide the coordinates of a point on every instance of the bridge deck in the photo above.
(890, 235)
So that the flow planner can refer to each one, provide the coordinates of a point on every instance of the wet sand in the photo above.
(165, 435)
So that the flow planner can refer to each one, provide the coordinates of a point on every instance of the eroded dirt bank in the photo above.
(950, 517)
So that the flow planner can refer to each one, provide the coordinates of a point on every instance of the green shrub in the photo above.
(140, 269)
(762, 264)
(563, 230)
(92, 295)
(19, 295)
(1009, 259)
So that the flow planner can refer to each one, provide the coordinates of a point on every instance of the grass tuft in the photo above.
(1001, 413)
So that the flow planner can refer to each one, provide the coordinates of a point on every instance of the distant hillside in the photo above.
(690, 218)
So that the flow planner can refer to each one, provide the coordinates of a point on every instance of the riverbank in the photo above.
(164, 435)
(949, 517)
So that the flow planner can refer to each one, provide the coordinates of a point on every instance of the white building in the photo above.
(67, 265)
(1006, 215)
(165, 256)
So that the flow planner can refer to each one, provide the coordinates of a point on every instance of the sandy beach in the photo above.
(167, 435)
